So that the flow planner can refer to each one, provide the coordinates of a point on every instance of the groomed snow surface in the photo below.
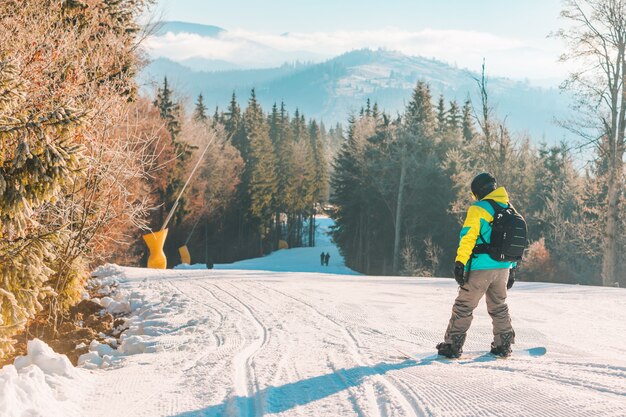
(256, 341)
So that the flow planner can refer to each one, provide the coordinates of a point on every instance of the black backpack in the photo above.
(509, 235)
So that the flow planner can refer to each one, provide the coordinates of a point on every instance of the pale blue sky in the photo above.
(510, 35)
(526, 19)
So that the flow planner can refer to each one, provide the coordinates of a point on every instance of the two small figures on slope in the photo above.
(324, 258)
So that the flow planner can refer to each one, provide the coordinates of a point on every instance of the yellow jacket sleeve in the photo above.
(470, 232)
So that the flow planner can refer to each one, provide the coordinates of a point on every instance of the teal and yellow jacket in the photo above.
(477, 223)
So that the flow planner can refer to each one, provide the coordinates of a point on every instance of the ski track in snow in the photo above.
(255, 342)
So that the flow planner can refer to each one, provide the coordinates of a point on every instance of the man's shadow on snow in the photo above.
(288, 396)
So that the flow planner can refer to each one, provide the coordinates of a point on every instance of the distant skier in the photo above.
(322, 258)
(326, 258)
(478, 274)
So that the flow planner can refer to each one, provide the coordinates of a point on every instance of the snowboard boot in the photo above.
(452, 350)
(503, 350)
(446, 349)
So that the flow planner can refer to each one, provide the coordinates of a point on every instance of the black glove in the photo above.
(459, 271)
(511, 280)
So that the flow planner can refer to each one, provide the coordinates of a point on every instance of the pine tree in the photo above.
(217, 118)
(37, 160)
(419, 116)
(427, 194)
(168, 109)
(350, 199)
(234, 127)
(442, 119)
(454, 117)
(233, 123)
(467, 121)
(200, 110)
(281, 139)
(261, 166)
(319, 158)
(320, 179)
(298, 127)
(375, 111)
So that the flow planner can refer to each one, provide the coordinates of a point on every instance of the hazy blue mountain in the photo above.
(333, 89)
(205, 64)
(218, 85)
(175, 27)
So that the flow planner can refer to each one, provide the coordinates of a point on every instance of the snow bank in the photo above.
(120, 305)
(42, 356)
(42, 383)
(107, 271)
(143, 313)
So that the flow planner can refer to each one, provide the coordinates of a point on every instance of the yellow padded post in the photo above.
(155, 242)
(185, 256)
(282, 244)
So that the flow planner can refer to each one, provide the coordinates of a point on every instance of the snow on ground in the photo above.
(252, 342)
(42, 383)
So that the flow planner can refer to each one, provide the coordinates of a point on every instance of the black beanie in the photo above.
(483, 184)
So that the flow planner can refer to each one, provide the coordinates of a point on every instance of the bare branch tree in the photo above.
(596, 40)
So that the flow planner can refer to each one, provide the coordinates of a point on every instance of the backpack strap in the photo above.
(497, 208)
(483, 248)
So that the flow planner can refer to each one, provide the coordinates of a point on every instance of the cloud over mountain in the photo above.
(505, 56)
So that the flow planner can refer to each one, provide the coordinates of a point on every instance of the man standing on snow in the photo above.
(322, 257)
(327, 258)
(478, 274)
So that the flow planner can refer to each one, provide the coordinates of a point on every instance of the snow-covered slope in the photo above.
(300, 259)
(260, 342)
(317, 341)
(251, 343)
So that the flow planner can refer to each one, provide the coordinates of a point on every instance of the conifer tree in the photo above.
(419, 117)
(442, 119)
(233, 123)
(200, 110)
(168, 109)
(319, 158)
(375, 111)
(467, 121)
(280, 137)
(261, 165)
(37, 159)
(217, 118)
(454, 118)
(350, 199)
(320, 179)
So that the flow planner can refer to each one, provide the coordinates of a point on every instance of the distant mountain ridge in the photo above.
(334, 89)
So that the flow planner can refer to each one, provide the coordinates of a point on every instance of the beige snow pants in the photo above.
(491, 282)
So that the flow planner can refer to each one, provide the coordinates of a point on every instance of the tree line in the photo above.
(400, 189)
